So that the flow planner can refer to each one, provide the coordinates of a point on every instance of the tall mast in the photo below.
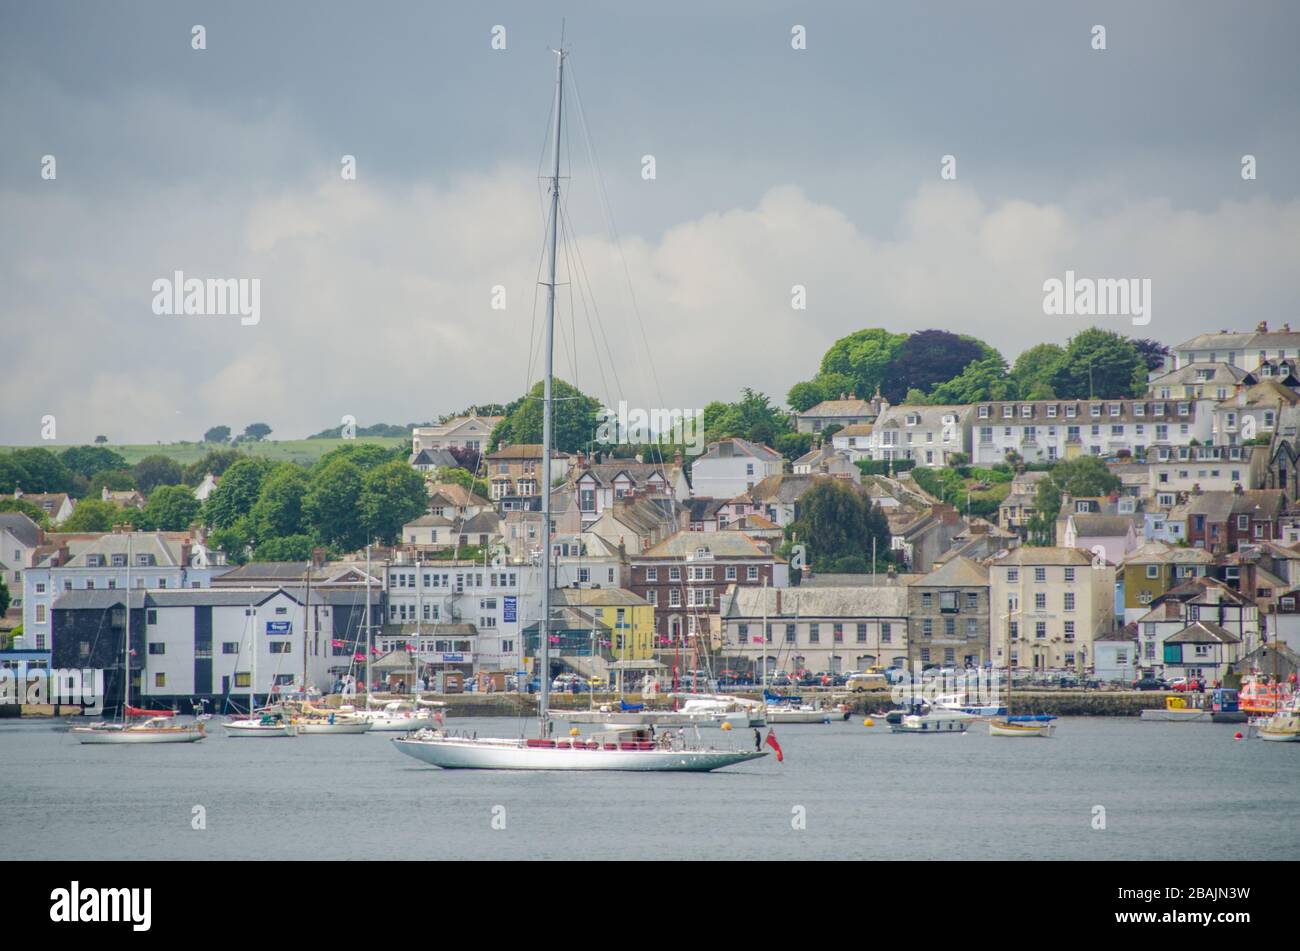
(367, 674)
(544, 629)
(126, 645)
(252, 661)
(306, 620)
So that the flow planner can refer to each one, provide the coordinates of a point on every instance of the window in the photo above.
(862, 633)
(230, 647)
(814, 633)
(1069, 600)
(1069, 575)
(157, 649)
(885, 632)
(160, 680)
(1069, 630)
(652, 574)
(281, 647)
(1040, 629)
(789, 633)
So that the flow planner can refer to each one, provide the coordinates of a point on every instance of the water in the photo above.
(1169, 790)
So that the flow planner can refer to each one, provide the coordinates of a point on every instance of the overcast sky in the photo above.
(774, 167)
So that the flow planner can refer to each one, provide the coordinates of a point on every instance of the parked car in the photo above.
(1150, 683)
(1184, 684)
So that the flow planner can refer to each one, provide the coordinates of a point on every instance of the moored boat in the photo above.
(269, 725)
(625, 750)
(152, 730)
(933, 721)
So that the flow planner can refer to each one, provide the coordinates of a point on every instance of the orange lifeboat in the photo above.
(1260, 695)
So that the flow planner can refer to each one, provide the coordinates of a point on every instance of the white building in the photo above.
(1247, 351)
(75, 562)
(1047, 430)
(732, 466)
(1049, 605)
(1181, 469)
(930, 435)
(463, 432)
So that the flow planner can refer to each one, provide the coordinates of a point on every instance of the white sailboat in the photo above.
(266, 725)
(638, 750)
(156, 729)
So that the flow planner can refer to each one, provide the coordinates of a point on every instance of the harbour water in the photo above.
(1168, 790)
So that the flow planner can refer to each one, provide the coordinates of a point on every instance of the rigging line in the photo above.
(589, 299)
(603, 196)
(571, 246)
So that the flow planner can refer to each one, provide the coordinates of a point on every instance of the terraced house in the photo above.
(1152, 570)
(948, 616)
(830, 629)
(1048, 430)
(1050, 605)
(685, 576)
(928, 435)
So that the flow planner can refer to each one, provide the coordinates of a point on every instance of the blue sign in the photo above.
(279, 627)
(511, 610)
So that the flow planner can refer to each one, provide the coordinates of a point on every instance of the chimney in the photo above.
(1262, 328)
(778, 602)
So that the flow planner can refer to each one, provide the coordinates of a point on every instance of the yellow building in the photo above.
(1154, 568)
(631, 618)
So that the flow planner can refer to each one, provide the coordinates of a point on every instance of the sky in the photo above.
(774, 167)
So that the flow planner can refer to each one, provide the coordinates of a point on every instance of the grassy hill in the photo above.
(304, 451)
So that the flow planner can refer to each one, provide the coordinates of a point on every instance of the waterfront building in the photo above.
(948, 616)
(1050, 605)
(819, 628)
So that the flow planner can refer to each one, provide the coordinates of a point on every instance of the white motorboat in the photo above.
(634, 751)
(152, 730)
(935, 721)
(337, 723)
(1281, 727)
(398, 716)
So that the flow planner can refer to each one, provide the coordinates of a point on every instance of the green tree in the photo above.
(793, 445)
(89, 461)
(257, 431)
(233, 540)
(1084, 476)
(172, 508)
(863, 357)
(985, 379)
(153, 471)
(825, 386)
(465, 480)
(34, 512)
(836, 521)
(92, 515)
(217, 434)
(1047, 506)
(116, 480)
(332, 505)
(1099, 364)
(575, 417)
(101, 440)
(40, 471)
(391, 495)
(365, 455)
(235, 497)
(753, 417)
(217, 462)
(278, 510)
(287, 548)
(929, 358)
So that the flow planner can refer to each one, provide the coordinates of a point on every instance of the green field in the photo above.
(304, 451)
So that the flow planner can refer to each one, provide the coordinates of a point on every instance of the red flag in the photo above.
(771, 741)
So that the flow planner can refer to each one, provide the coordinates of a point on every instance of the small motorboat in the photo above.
(933, 721)
(1281, 727)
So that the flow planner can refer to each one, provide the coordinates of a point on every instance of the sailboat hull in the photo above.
(1003, 728)
(92, 735)
(451, 753)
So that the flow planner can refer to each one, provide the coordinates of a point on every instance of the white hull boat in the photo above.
(802, 715)
(1280, 728)
(465, 753)
(936, 721)
(337, 725)
(256, 728)
(154, 730)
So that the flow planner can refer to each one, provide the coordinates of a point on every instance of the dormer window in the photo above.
(1008, 412)
(1071, 412)
(1026, 411)
(1094, 410)
(1116, 409)
(1051, 411)
(984, 412)
(913, 419)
